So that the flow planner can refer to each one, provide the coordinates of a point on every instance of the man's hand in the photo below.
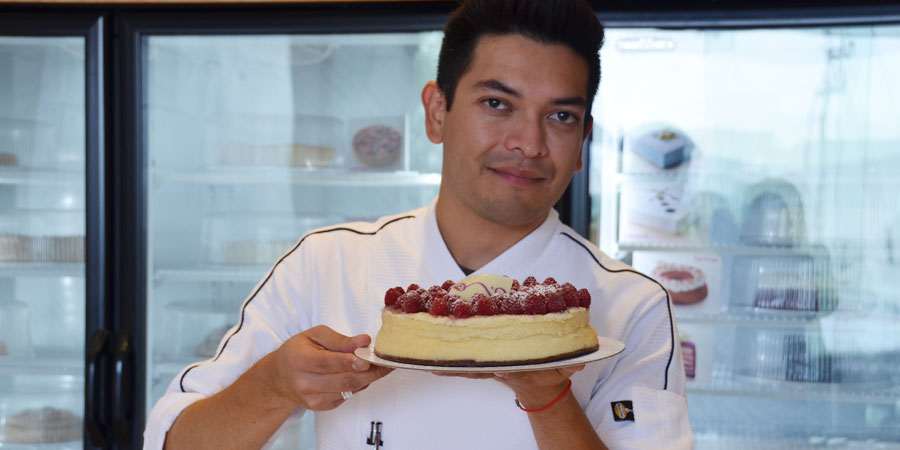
(533, 389)
(564, 425)
(311, 369)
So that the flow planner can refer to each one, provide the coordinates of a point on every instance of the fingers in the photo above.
(572, 369)
(336, 342)
(324, 361)
(340, 382)
(474, 376)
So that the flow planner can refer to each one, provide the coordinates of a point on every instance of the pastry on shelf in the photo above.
(292, 155)
(378, 145)
(57, 248)
(23, 248)
(13, 247)
(42, 426)
(8, 159)
(686, 284)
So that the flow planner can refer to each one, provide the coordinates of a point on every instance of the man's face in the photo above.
(513, 137)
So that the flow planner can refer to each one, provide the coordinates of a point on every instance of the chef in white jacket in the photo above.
(511, 106)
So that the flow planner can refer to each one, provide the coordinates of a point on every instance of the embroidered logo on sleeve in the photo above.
(622, 411)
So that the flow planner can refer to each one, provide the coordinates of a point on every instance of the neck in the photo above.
(474, 241)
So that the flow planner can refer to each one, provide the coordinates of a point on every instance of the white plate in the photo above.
(608, 347)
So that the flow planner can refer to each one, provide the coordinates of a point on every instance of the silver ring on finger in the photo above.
(346, 395)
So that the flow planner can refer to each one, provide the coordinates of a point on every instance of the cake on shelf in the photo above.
(293, 155)
(686, 284)
(42, 426)
(13, 247)
(486, 320)
(22, 248)
(377, 145)
(9, 159)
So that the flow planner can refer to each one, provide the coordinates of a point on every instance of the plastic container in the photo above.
(781, 283)
(260, 240)
(773, 215)
(194, 328)
(15, 330)
(801, 355)
(24, 143)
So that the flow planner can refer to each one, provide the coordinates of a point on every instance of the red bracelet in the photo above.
(568, 388)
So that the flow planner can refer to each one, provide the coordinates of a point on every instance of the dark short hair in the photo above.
(567, 22)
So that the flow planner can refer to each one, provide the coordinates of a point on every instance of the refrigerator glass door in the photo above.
(253, 141)
(753, 173)
(42, 237)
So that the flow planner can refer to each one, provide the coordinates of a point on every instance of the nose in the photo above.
(526, 136)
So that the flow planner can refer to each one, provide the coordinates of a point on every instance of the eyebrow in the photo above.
(497, 85)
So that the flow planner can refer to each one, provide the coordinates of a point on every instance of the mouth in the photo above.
(518, 176)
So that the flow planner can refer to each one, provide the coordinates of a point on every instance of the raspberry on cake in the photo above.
(486, 320)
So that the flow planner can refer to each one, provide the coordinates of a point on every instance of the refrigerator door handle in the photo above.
(96, 427)
(123, 412)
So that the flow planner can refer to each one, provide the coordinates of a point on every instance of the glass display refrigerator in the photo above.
(752, 171)
(50, 270)
(252, 141)
(156, 163)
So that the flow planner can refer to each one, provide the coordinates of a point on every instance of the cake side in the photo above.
(484, 341)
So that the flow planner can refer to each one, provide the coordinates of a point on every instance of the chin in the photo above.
(510, 213)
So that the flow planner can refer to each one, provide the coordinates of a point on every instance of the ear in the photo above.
(435, 106)
(588, 127)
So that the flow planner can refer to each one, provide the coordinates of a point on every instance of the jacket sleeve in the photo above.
(641, 403)
(276, 309)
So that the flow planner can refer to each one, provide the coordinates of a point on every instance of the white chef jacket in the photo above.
(337, 276)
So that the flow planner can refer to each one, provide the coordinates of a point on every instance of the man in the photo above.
(511, 107)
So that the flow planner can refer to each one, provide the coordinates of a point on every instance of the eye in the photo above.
(564, 117)
(495, 103)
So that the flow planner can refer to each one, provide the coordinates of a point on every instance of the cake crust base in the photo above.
(473, 363)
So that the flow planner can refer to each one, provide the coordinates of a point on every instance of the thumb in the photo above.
(336, 342)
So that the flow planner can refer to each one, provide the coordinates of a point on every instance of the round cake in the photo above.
(40, 426)
(377, 145)
(486, 320)
(686, 284)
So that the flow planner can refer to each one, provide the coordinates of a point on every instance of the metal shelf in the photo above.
(762, 440)
(248, 274)
(28, 177)
(755, 317)
(723, 249)
(44, 363)
(41, 269)
(886, 392)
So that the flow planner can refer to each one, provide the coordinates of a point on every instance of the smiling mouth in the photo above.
(517, 177)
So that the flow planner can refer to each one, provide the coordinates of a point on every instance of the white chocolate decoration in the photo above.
(486, 284)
